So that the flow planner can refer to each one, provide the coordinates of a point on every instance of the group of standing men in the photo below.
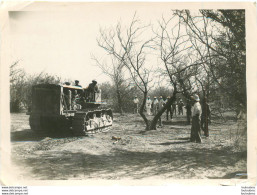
(200, 114)
(153, 106)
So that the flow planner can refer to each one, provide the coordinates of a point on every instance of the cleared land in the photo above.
(165, 153)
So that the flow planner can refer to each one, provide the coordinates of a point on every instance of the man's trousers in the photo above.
(195, 130)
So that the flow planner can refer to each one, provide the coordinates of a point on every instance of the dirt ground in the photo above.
(165, 153)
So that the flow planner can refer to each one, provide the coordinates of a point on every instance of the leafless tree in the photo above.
(174, 50)
(127, 46)
(115, 70)
(218, 36)
(21, 86)
(17, 80)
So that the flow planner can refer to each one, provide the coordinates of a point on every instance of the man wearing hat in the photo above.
(196, 127)
(91, 90)
(148, 105)
(77, 83)
(136, 101)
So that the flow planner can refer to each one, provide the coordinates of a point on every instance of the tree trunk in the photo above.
(119, 101)
(141, 111)
(160, 112)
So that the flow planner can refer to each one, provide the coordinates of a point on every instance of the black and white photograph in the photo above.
(128, 91)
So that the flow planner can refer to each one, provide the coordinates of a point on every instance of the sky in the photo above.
(62, 42)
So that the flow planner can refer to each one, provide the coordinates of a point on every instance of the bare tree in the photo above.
(174, 49)
(21, 86)
(115, 70)
(128, 48)
(186, 59)
(219, 38)
(17, 80)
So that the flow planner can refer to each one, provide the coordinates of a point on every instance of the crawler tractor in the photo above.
(65, 108)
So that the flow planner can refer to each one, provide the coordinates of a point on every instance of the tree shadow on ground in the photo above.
(121, 163)
(223, 119)
(179, 123)
(183, 138)
(26, 135)
(30, 135)
(177, 128)
(171, 143)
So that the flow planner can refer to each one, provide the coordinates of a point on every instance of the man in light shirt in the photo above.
(196, 126)
(148, 105)
(136, 101)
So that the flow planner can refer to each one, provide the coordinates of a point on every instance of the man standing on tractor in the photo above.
(90, 91)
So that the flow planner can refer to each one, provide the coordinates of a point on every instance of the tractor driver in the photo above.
(77, 83)
(91, 90)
